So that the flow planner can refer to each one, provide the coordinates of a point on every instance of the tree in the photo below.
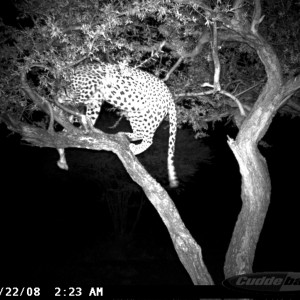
(171, 40)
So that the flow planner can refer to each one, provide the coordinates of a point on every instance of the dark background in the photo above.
(55, 228)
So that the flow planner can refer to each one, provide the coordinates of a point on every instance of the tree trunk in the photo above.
(256, 191)
(256, 185)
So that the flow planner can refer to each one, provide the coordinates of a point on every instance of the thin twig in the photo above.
(217, 86)
(173, 69)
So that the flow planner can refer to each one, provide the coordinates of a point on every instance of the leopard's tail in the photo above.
(172, 138)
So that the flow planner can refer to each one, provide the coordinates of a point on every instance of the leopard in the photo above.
(144, 100)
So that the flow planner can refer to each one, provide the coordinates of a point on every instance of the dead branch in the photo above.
(240, 106)
(256, 18)
(217, 65)
(173, 68)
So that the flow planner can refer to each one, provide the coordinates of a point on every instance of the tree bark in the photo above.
(256, 185)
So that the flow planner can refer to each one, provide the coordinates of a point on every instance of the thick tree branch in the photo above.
(188, 250)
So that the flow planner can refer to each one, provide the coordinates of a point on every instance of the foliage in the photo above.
(56, 35)
(50, 38)
(282, 30)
